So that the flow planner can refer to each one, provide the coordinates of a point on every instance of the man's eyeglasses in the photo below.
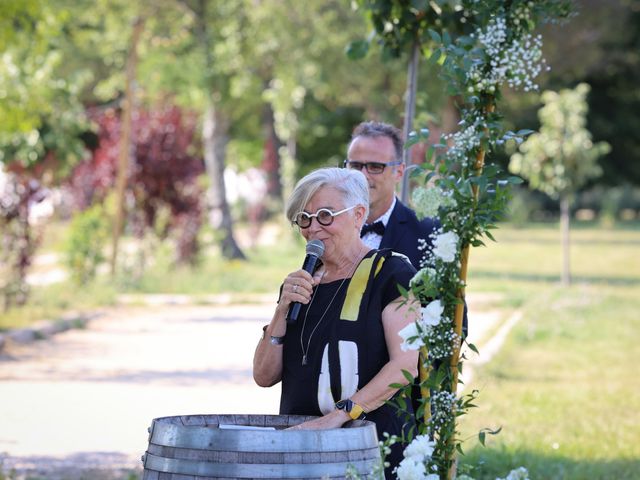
(372, 167)
(323, 215)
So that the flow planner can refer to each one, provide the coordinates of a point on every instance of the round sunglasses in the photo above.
(324, 216)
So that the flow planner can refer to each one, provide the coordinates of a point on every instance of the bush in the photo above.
(18, 237)
(522, 206)
(163, 177)
(88, 236)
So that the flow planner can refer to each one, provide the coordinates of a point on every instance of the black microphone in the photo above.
(315, 249)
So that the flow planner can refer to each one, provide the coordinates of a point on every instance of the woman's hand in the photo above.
(298, 287)
(334, 419)
(267, 360)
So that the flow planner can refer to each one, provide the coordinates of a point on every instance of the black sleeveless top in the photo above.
(343, 340)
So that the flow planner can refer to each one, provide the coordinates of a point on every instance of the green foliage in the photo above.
(40, 113)
(561, 158)
(467, 196)
(400, 23)
(88, 236)
(522, 207)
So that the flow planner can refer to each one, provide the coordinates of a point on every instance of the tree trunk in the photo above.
(564, 232)
(126, 143)
(215, 128)
(215, 136)
(271, 155)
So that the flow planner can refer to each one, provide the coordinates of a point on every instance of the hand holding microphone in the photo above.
(314, 250)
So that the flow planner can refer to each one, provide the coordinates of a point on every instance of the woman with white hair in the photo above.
(338, 360)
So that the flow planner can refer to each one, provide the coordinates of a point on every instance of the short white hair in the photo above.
(351, 184)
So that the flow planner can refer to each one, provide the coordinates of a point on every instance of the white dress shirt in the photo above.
(372, 239)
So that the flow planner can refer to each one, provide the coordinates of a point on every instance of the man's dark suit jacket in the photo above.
(404, 230)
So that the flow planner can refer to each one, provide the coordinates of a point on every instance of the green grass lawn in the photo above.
(564, 387)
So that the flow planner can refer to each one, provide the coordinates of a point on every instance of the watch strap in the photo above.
(355, 411)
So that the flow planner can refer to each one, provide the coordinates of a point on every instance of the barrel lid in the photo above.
(202, 432)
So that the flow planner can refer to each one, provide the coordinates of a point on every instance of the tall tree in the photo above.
(216, 119)
(600, 47)
(42, 128)
(561, 157)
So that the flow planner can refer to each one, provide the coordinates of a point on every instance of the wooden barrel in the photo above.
(194, 447)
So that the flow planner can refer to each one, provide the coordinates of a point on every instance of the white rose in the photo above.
(410, 337)
(519, 473)
(445, 246)
(432, 313)
(410, 469)
(421, 447)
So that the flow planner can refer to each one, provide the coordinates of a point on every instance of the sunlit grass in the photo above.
(562, 388)
(53, 301)
(262, 272)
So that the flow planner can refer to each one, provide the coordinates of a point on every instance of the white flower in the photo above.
(520, 473)
(411, 469)
(445, 246)
(421, 448)
(426, 201)
(410, 337)
(425, 277)
(432, 313)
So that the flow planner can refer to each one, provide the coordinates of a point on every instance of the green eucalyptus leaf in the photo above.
(465, 40)
(412, 140)
(357, 49)
(435, 56)
(408, 375)
(524, 132)
(435, 36)
(446, 39)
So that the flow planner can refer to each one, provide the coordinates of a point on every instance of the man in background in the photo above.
(376, 150)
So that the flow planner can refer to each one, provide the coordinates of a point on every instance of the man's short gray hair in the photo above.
(379, 129)
(351, 184)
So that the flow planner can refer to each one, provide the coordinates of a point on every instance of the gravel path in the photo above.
(78, 405)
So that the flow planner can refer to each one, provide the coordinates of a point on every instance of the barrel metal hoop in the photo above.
(206, 469)
(208, 438)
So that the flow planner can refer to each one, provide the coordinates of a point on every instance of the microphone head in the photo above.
(315, 248)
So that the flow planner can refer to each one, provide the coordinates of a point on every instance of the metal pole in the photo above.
(409, 113)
